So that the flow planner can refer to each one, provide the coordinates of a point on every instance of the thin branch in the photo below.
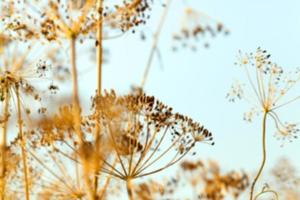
(155, 43)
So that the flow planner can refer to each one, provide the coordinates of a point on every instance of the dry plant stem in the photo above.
(129, 189)
(99, 49)
(76, 104)
(23, 143)
(3, 146)
(264, 154)
(99, 60)
(75, 87)
(155, 43)
(106, 183)
(267, 191)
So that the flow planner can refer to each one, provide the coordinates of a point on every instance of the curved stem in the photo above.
(23, 143)
(267, 191)
(264, 153)
(129, 189)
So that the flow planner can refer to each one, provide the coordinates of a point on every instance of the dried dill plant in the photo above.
(17, 77)
(67, 154)
(283, 182)
(268, 86)
(205, 180)
(145, 135)
(285, 179)
(195, 27)
(139, 136)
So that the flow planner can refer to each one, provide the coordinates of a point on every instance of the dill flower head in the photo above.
(195, 26)
(205, 179)
(56, 20)
(139, 136)
(268, 90)
(18, 74)
(127, 15)
(145, 135)
(50, 19)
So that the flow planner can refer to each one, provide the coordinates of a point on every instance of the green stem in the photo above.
(264, 154)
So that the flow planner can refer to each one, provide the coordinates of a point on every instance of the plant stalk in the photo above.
(99, 61)
(77, 110)
(99, 48)
(23, 144)
(129, 189)
(155, 43)
(264, 154)
(3, 146)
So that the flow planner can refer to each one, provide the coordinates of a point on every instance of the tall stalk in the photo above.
(99, 61)
(75, 82)
(3, 146)
(23, 144)
(77, 111)
(264, 154)
(99, 48)
(129, 189)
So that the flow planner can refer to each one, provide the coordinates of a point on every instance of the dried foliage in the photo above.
(268, 86)
(205, 180)
(52, 146)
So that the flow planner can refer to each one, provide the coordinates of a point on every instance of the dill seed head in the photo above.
(195, 27)
(139, 128)
(267, 88)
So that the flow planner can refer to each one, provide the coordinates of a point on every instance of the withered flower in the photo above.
(144, 132)
(267, 85)
(195, 26)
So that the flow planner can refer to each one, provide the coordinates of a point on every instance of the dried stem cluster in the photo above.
(68, 154)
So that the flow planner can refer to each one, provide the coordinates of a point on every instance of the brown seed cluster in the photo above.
(268, 87)
(138, 125)
(129, 15)
(197, 26)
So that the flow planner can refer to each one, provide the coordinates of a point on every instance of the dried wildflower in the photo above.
(147, 190)
(129, 15)
(269, 85)
(212, 184)
(236, 92)
(138, 125)
(20, 74)
(283, 183)
(143, 133)
(205, 179)
(285, 175)
(56, 20)
(195, 26)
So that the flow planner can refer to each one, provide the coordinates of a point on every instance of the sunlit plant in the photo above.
(267, 91)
